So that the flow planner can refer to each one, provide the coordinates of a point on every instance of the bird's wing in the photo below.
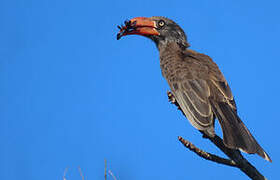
(192, 96)
(192, 93)
(235, 133)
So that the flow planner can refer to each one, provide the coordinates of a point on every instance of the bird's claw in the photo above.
(171, 97)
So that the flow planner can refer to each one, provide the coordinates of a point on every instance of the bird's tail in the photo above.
(235, 133)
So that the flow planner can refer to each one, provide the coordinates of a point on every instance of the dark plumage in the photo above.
(197, 83)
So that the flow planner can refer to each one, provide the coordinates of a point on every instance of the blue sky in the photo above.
(72, 95)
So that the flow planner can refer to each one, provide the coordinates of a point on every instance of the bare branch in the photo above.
(206, 155)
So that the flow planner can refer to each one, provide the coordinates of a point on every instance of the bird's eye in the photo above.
(161, 23)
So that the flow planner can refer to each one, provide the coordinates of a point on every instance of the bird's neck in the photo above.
(169, 54)
(166, 45)
(171, 48)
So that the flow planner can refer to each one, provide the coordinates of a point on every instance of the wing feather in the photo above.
(192, 96)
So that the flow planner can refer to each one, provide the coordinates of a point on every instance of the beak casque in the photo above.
(139, 26)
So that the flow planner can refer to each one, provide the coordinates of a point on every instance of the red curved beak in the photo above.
(139, 26)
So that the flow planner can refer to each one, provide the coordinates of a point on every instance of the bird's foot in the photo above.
(171, 97)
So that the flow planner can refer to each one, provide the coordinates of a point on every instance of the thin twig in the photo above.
(64, 174)
(206, 155)
(105, 171)
(111, 173)
(81, 173)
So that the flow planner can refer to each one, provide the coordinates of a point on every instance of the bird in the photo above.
(196, 82)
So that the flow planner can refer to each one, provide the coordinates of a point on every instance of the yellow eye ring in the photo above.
(161, 23)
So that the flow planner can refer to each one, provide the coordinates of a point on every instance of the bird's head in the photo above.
(159, 29)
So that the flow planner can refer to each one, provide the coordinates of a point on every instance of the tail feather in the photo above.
(235, 133)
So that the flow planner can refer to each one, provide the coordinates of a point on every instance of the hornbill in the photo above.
(196, 82)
